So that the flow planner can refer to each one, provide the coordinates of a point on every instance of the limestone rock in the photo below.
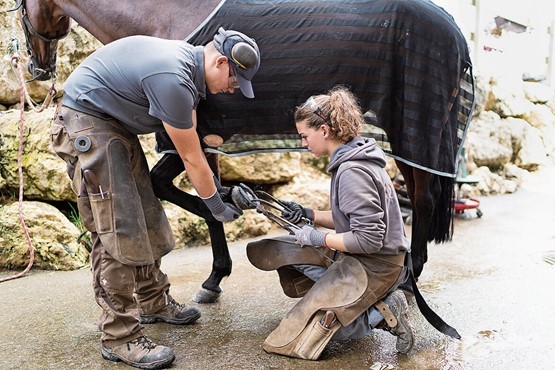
(311, 188)
(495, 142)
(488, 141)
(543, 118)
(507, 98)
(482, 92)
(491, 183)
(3, 182)
(44, 173)
(53, 236)
(514, 173)
(251, 224)
(537, 92)
(528, 149)
(188, 229)
(264, 168)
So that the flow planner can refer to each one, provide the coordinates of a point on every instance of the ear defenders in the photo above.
(244, 55)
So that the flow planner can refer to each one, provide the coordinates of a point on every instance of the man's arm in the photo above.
(188, 146)
(187, 143)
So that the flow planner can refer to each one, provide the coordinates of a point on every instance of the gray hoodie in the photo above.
(363, 201)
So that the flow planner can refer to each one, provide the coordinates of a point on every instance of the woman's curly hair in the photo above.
(338, 108)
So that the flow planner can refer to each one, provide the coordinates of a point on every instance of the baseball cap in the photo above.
(243, 54)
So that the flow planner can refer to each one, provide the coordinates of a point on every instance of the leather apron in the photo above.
(350, 286)
(111, 179)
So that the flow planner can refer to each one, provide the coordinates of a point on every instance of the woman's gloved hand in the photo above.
(309, 236)
(296, 212)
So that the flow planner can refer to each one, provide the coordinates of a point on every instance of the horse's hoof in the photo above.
(206, 296)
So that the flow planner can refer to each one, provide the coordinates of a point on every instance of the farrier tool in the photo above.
(246, 198)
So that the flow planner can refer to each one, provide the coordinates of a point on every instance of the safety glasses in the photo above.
(315, 108)
(232, 79)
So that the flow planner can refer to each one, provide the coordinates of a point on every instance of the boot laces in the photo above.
(143, 341)
(175, 304)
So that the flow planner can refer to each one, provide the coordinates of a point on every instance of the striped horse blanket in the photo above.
(406, 60)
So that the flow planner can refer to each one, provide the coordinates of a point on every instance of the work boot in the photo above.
(173, 313)
(141, 353)
(403, 330)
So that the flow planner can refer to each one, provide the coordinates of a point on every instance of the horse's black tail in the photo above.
(433, 318)
(441, 229)
(429, 314)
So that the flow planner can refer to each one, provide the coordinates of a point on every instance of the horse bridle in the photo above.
(28, 29)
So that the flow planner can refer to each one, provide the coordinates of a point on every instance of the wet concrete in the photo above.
(491, 283)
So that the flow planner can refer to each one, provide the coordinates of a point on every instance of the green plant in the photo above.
(75, 218)
(84, 238)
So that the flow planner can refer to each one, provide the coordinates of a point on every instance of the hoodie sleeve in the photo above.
(360, 197)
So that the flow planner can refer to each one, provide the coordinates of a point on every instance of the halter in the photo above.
(28, 29)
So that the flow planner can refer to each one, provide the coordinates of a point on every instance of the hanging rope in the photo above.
(24, 96)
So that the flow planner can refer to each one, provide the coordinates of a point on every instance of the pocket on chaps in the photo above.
(102, 211)
(310, 343)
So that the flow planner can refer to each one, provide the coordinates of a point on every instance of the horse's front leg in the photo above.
(162, 175)
(423, 190)
(221, 265)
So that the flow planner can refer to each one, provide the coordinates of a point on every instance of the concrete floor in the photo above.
(492, 283)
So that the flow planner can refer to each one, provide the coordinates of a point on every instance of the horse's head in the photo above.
(43, 24)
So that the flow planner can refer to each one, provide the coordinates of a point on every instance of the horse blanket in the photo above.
(406, 60)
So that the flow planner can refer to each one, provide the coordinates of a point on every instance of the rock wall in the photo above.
(512, 132)
(53, 236)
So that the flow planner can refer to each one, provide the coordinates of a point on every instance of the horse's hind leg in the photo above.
(162, 174)
(424, 190)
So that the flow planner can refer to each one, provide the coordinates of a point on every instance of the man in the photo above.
(139, 85)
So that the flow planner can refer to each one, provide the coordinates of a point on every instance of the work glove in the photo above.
(296, 212)
(241, 199)
(309, 236)
(222, 211)
(234, 195)
(224, 191)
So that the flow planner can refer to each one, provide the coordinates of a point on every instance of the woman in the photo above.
(355, 270)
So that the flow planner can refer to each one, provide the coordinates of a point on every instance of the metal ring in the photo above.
(82, 143)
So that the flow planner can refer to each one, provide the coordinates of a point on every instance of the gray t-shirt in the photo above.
(140, 81)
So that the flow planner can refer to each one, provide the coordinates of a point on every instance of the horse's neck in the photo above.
(109, 20)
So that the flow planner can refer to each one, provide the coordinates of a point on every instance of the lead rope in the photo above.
(23, 96)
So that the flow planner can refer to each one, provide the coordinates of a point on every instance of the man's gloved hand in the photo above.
(221, 210)
(224, 191)
(296, 212)
(308, 235)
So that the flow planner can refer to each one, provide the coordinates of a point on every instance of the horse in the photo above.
(406, 60)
